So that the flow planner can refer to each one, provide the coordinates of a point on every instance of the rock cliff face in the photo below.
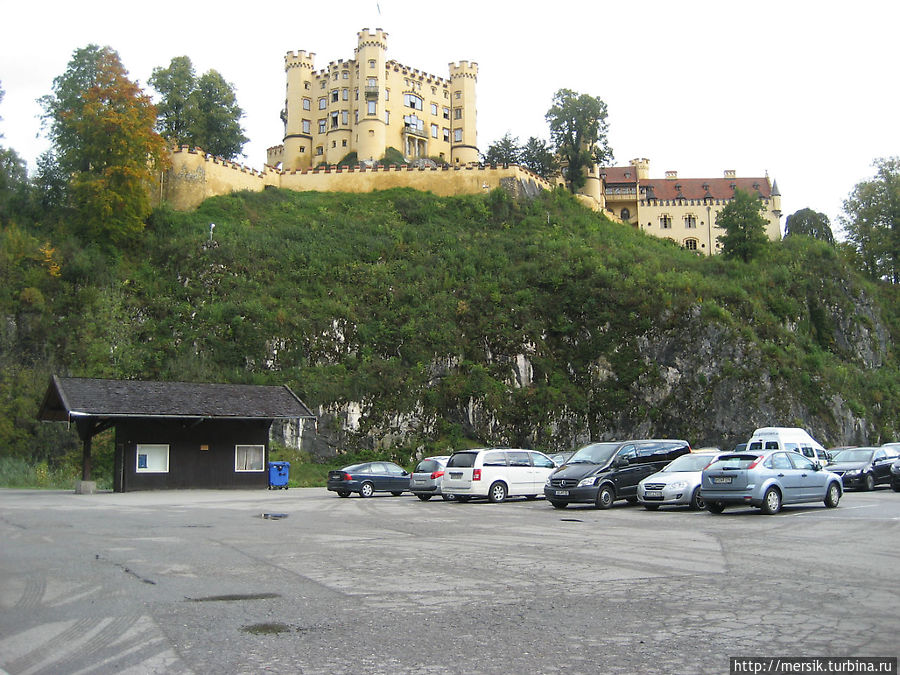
(710, 382)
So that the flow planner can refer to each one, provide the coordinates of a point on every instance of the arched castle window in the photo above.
(412, 101)
(690, 244)
(626, 214)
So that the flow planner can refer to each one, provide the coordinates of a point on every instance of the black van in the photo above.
(601, 473)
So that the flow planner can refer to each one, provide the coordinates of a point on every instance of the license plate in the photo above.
(419, 482)
(653, 493)
(720, 480)
(562, 493)
(456, 474)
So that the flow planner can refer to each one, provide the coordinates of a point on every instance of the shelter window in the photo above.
(249, 457)
(152, 459)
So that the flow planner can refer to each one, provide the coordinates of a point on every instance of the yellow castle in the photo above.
(368, 104)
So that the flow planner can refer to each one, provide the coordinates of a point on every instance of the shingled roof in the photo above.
(69, 398)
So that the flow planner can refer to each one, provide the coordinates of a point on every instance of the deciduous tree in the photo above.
(578, 129)
(175, 85)
(744, 225)
(101, 124)
(872, 221)
(539, 157)
(812, 224)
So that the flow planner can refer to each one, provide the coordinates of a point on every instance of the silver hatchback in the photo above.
(767, 479)
(425, 481)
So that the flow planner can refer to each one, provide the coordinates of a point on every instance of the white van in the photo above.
(788, 438)
(496, 473)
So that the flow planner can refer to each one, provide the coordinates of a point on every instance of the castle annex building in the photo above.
(683, 209)
(368, 104)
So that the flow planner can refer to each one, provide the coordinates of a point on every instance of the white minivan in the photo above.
(788, 438)
(496, 473)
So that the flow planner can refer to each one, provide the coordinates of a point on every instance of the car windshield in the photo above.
(854, 455)
(689, 462)
(731, 462)
(595, 453)
(427, 466)
(462, 460)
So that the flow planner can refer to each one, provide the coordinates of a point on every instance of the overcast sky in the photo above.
(803, 91)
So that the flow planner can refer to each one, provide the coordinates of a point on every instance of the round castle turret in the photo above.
(371, 130)
(298, 67)
(463, 78)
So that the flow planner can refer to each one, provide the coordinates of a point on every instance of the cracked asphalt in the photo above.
(201, 582)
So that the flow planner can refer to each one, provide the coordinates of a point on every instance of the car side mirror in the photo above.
(620, 462)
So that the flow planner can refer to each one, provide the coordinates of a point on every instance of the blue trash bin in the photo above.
(278, 475)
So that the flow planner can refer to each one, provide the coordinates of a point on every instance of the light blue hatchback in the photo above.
(767, 479)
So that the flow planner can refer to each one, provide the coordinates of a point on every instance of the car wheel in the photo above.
(366, 490)
(771, 502)
(870, 482)
(895, 486)
(397, 493)
(697, 502)
(715, 507)
(497, 493)
(832, 496)
(651, 507)
(424, 498)
(343, 493)
(605, 497)
(448, 498)
(559, 505)
(462, 498)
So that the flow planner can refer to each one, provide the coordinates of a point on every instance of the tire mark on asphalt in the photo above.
(95, 648)
(39, 655)
(32, 594)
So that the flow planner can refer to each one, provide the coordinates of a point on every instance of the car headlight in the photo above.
(854, 472)
(585, 482)
(547, 482)
(678, 485)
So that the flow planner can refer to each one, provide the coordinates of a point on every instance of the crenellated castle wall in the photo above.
(195, 176)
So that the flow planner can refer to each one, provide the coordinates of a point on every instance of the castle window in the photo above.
(446, 113)
(372, 82)
(335, 96)
(387, 117)
(434, 108)
(323, 126)
(322, 84)
(371, 63)
(306, 126)
(690, 244)
(320, 150)
(446, 94)
(345, 94)
(333, 144)
(323, 103)
(626, 214)
(665, 222)
(413, 122)
(346, 74)
(434, 130)
(345, 117)
(446, 134)
(307, 104)
(387, 94)
(306, 85)
(457, 113)
(457, 135)
(344, 143)
(457, 95)
(372, 108)
(412, 101)
(690, 221)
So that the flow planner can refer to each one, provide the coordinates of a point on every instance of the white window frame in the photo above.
(157, 458)
(259, 461)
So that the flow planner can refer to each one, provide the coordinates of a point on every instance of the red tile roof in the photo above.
(699, 188)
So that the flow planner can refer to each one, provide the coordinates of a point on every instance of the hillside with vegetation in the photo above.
(417, 324)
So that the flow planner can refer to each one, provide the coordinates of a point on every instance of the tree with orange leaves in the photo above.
(102, 127)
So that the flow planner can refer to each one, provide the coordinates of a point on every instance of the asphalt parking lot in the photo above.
(202, 582)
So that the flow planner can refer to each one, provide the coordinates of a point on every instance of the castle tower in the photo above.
(642, 166)
(464, 140)
(297, 135)
(371, 130)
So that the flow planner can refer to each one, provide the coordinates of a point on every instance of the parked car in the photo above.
(788, 438)
(560, 458)
(677, 483)
(895, 476)
(601, 473)
(496, 473)
(425, 481)
(864, 468)
(767, 479)
(368, 478)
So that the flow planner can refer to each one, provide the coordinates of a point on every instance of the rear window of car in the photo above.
(660, 447)
(732, 462)
(463, 460)
(427, 466)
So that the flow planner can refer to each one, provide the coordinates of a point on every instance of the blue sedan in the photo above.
(766, 480)
(368, 478)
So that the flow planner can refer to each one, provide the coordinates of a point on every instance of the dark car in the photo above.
(895, 476)
(863, 468)
(369, 478)
(601, 473)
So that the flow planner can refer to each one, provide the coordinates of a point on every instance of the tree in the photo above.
(812, 224)
(578, 129)
(199, 112)
(872, 221)
(538, 156)
(744, 225)
(504, 151)
(13, 179)
(101, 124)
(175, 85)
